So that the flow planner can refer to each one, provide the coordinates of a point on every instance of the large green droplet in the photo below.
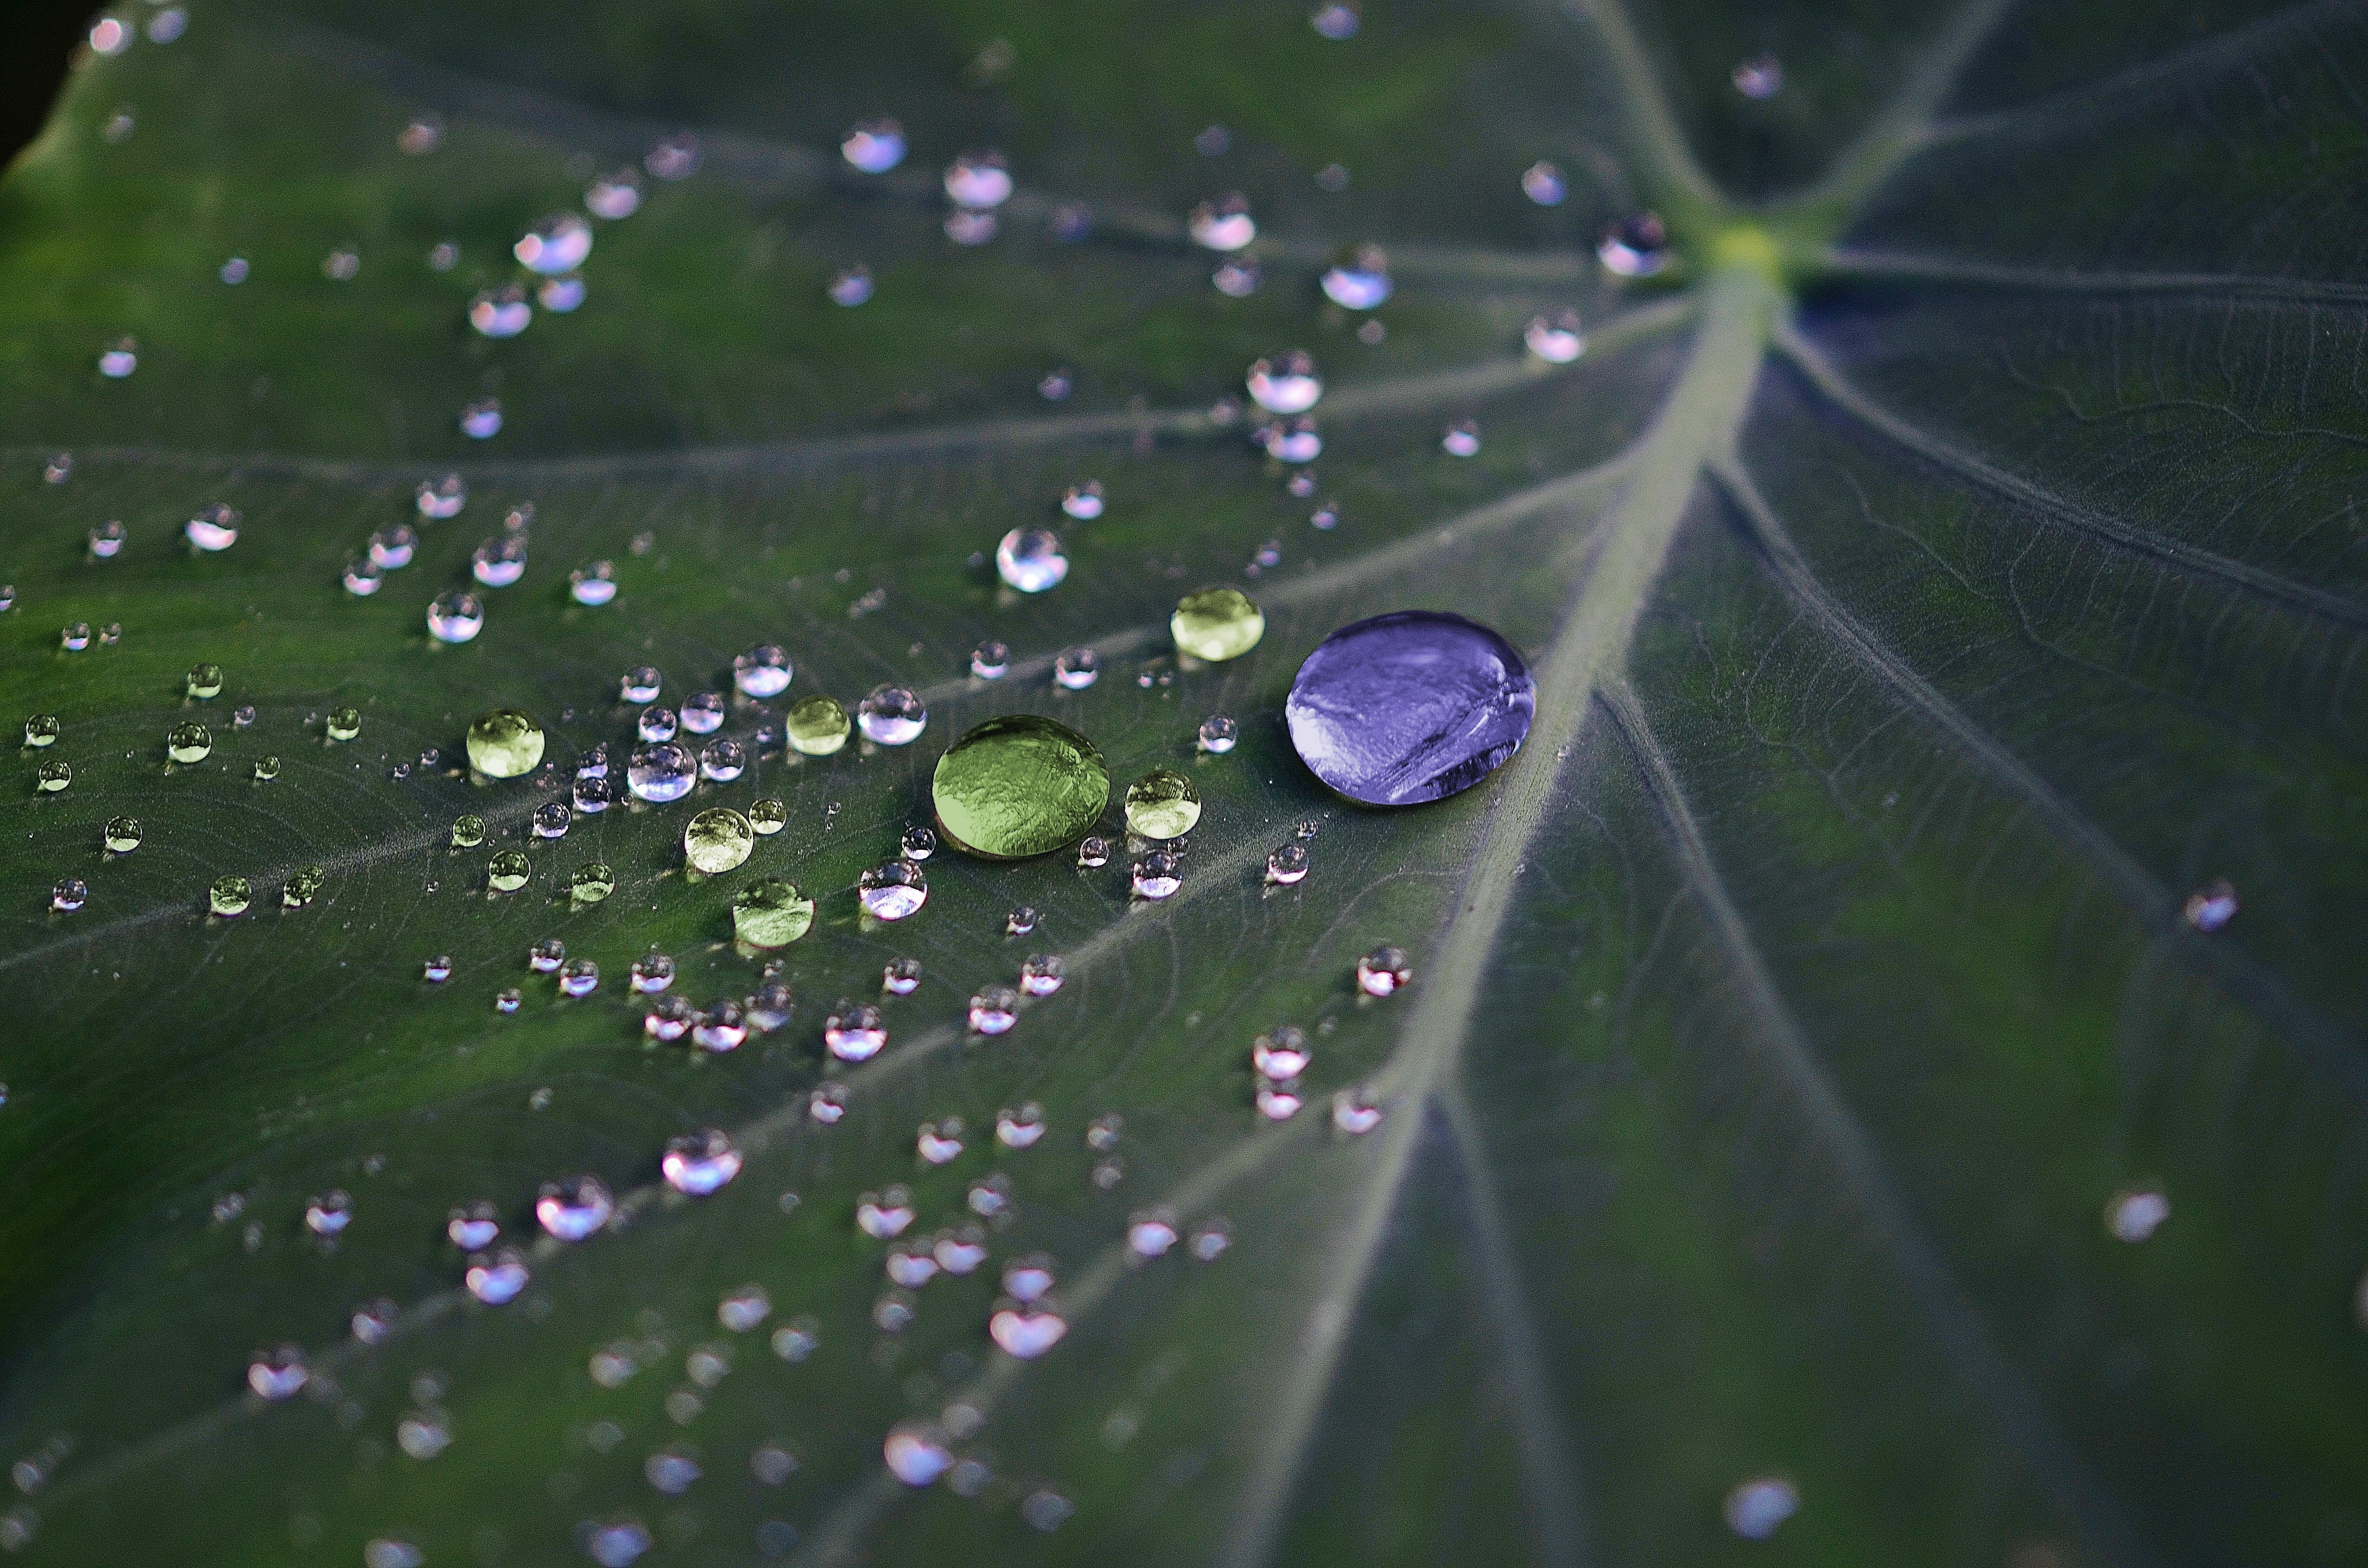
(230, 896)
(771, 913)
(509, 870)
(504, 743)
(817, 725)
(1216, 624)
(716, 840)
(1019, 785)
(591, 883)
(345, 723)
(189, 743)
(1162, 805)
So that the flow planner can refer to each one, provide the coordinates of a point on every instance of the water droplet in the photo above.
(2137, 1213)
(642, 684)
(1041, 975)
(1216, 624)
(509, 870)
(214, 527)
(850, 287)
(768, 816)
(1554, 336)
(968, 226)
(574, 1208)
(1543, 183)
(551, 820)
(883, 1215)
(41, 730)
(1287, 383)
(1074, 669)
(1157, 875)
(1082, 502)
(190, 742)
(441, 497)
(994, 1009)
(473, 1228)
(559, 243)
(1150, 1234)
(498, 562)
(816, 725)
(621, 1543)
(1026, 1330)
(1218, 734)
(653, 972)
(1287, 865)
(892, 890)
(106, 541)
(614, 197)
(874, 146)
(121, 835)
(676, 157)
(771, 913)
(76, 638)
(580, 977)
(344, 724)
(990, 661)
(1409, 707)
(892, 715)
(978, 180)
(438, 969)
(853, 1031)
(1019, 785)
(1757, 1507)
(508, 1000)
(656, 724)
(1030, 559)
(915, 1454)
(455, 616)
(699, 1164)
(827, 1103)
(303, 886)
(990, 1196)
(1384, 972)
(1236, 278)
(505, 743)
(1360, 281)
(374, 1324)
(500, 313)
(1337, 22)
(52, 777)
(1462, 439)
(721, 1026)
(1760, 78)
(1281, 1055)
(668, 1018)
(468, 831)
(229, 896)
(594, 584)
(717, 840)
(69, 895)
(1019, 921)
(277, 1373)
(661, 773)
(1162, 805)
(266, 769)
(329, 1214)
(1093, 853)
(702, 712)
(1356, 1112)
(1224, 224)
(362, 579)
(2211, 906)
(559, 295)
(1633, 246)
(937, 1142)
(1293, 440)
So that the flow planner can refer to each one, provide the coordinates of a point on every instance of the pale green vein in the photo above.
(1669, 163)
(1904, 127)
(1698, 422)
(2215, 288)
(1791, 1064)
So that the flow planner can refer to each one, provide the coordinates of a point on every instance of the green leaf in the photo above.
(1945, 568)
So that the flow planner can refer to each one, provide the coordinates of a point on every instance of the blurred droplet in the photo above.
(1554, 336)
(1360, 281)
(874, 146)
(1634, 246)
(1224, 224)
(1758, 78)
(559, 243)
(1030, 559)
(1543, 183)
(214, 527)
(574, 1208)
(1755, 1508)
(1287, 383)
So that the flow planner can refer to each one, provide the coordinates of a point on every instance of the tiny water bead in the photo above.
(1041, 975)
(440, 498)
(505, 743)
(771, 913)
(702, 712)
(69, 895)
(1162, 805)
(816, 725)
(1337, 22)
(990, 661)
(1293, 440)
(668, 1018)
(1021, 921)
(892, 715)
(122, 835)
(653, 972)
(277, 1373)
(1358, 282)
(1384, 972)
(901, 976)
(1760, 77)
(768, 816)
(874, 146)
(1409, 707)
(106, 541)
(1074, 669)
(769, 1006)
(656, 724)
(850, 287)
(498, 562)
(574, 1208)
(509, 870)
(1462, 439)
(362, 578)
(578, 977)
(593, 584)
(2212, 907)
(994, 1009)
(918, 843)
(1030, 560)
(1543, 183)
(214, 527)
(1158, 875)
(1554, 336)
(717, 840)
(1216, 624)
(699, 1164)
(468, 831)
(1287, 865)
(230, 896)
(455, 616)
(204, 682)
(1218, 734)
(853, 1032)
(303, 886)
(41, 730)
(2136, 1213)
(189, 743)
(1236, 278)
(76, 638)
(330, 1214)
(1082, 502)
(266, 769)
(342, 724)
(1286, 384)
(546, 956)
(722, 759)
(496, 1281)
(894, 891)
(53, 776)
(978, 180)
(1224, 224)
(1019, 785)
(1634, 246)
(640, 684)
(1356, 1112)
(559, 243)
(1281, 1055)
(500, 313)
(508, 1000)
(661, 773)
(559, 295)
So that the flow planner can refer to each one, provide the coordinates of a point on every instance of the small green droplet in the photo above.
(345, 723)
(1216, 624)
(1162, 805)
(592, 883)
(504, 743)
(303, 885)
(52, 777)
(771, 913)
(717, 840)
(507, 871)
(205, 681)
(468, 831)
(122, 835)
(230, 896)
(817, 725)
(266, 769)
(1019, 785)
(41, 730)
(769, 816)
(189, 743)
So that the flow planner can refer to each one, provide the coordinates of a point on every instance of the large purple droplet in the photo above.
(1409, 707)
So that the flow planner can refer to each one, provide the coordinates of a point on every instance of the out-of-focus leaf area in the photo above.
(1876, 1078)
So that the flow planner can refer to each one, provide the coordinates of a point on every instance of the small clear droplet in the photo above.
(771, 913)
(653, 972)
(41, 730)
(438, 969)
(874, 146)
(721, 1026)
(546, 956)
(1633, 246)
(1358, 282)
(190, 742)
(455, 616)
(1158, 875)
(594, 584)
(892, 715)
(1162, 805)
(559, 243)
(1224, 224)
(2212, 907)
(1074, 669)
(214, 527)
(894, 891)
(717, 840)
(1093, 853)
(1462, 439)
(69, 895)
(1031, 558)
(1287, 383)
(702, 712)
(2137, 1213)
(994, 1009)
(661, 773)
(1041, 975)
(1384, 972)
(509, 870)
(1755, 1508)
(122, 835)
(656, 722)
(1554, 336)
(978, 180)
(440, 498)
(1082, 502)
(990, 661)
(1287, 865)
(614, 197)
(344, 724)
(106, 541)
(498, 562)
(768, 816)
(574, 1208)
(230, 896)
(640, 684)
(1760, 78)
(853, 1031)
(507, 742)
(1021, 921)
(468, 831)
(1543, 183)
(1236, 278)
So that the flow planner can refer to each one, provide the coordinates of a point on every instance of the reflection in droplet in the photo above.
(1337, 21)
(574, 1208)
(1224, 224)
(498, 1281)
(1360, 282)
(188, 742)
(816, 725)
(440, 498)
(1462, 439)
(122, 835)
(559, 243)
(1162, 805)
(1236, 278)
(509, 870)
(591, 883)
(850, 287)
(69, 895)
(1026, 1330)
(594, 584)
(1634, 246)
(468, 831)
(722, 759)
(1760, 78)
(498, 562)
(501, 312)
(1286, 384)
(1216, 624)
(614, 197)
(343, 724)
(978, 180)
(661, 773)
(1019, 785)
(915, 1454)
(2210, 907)
(1293, 440)
(473, 1228)
(559, 295)
(277, 1373)
(1157, 875)
(894, 891)
(719, 1027)
(892, 715)
(639, 683)
(771, 913)
(1356, 1112)
(455, 617)
(1384, 972)
(1554, 336)
(656, 723)
(1411, 707)
(994, 1009)
(763, 671)
(214, 527)
(1030, 559)
(1082, 502)
(1287, 865)
(990, 661)
(768, 816)
(2137, 1213)
(1074, 669)
(230, 896)
(1041, 975)
(853, 1031)
(505, 743)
